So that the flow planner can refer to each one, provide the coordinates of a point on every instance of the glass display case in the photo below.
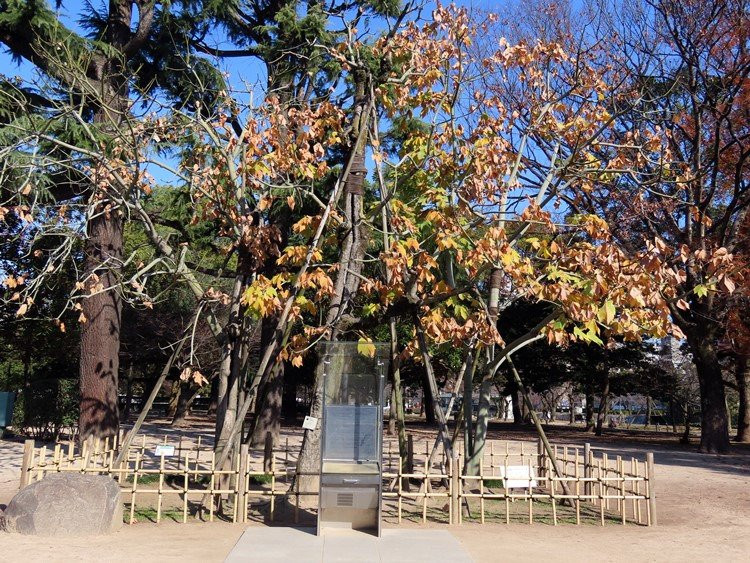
(352, 434)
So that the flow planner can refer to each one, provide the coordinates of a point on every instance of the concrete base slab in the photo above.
(302, 545)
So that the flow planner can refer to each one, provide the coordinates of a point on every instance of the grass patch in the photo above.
(148, 514)
(145, 479)
(494, 483)
(264, 479)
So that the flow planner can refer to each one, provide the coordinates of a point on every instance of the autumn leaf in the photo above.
(727, 284)
(366, 347)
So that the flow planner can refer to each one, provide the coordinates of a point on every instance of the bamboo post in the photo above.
(159, 489)
(236, 487)
(451, 473)
(492, 458)
(540, 458)
(554, 503)
(637, 501)
(531, 494)
(578, 491)
(28, 454)
(461, 489)
(621, 501)
(651, 507)
(186, 487)
(481, 490)
(409, 459)
(505, 486)
(41, 463)
(601, 489)
(426, 488)
(56, 458)
(134, 489)
(398, 499)
(273, 483)
(455, 506)
(242, 483)
(211, 487)
(587, 467)
(605, 483)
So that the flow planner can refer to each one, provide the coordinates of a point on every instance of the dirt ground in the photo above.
(703, 505)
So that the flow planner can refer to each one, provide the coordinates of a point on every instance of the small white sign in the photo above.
(310, 423)
(164, 450)
(519, 476)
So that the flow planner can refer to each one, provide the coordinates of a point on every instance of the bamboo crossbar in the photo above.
(613, 488)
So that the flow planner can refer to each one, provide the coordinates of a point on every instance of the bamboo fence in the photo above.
(592, 485)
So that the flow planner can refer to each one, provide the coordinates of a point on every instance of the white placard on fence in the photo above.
(519, 476)
(164, 450)
(310, 423)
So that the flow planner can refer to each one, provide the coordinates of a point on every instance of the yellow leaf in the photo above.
(366, 347)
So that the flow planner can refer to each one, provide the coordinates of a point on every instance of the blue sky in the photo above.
(241, 71)
(70, 11)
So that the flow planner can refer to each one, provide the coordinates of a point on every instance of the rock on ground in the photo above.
(65, 504)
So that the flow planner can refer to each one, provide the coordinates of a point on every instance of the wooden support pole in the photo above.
(541, 465)
(587, 467)
(241, 499)
(455, 489)
(650, 488)
(267, 452)
(28, 453)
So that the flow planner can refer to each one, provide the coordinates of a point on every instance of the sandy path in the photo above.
(703, 509)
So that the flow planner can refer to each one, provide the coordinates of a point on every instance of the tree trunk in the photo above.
(268, 417)
(572, 414)
(214, 398)
(289, 399)
(714, 423)
(603, 406)
(398, 397)
(686, 433)
(186, 397)
(229, 369)
(589, 408)
(649, 412)
(742, 374)
(392, 413)
(428, 401)
(100, 331)
(175, 393)
(515, 398)
(468, 390)
(352, 252)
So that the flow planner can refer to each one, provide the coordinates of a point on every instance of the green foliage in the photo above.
(264, 479)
